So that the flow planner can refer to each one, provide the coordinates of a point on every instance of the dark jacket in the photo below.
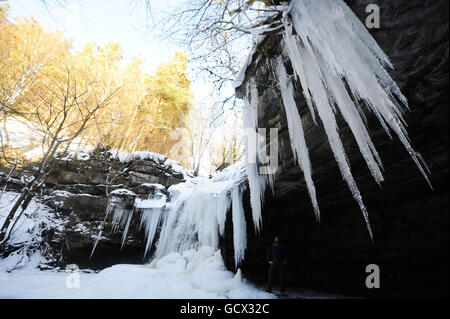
(276, 254)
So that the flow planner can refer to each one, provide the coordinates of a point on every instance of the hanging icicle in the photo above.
(121, 205)
(239, 226)
(257, 183)
(296, 134)
(150, 219)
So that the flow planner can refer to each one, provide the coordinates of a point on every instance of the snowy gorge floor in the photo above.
(191, 274)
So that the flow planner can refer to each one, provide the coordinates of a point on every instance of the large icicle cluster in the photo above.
(338, 65)
(257, 183)
(121, 205)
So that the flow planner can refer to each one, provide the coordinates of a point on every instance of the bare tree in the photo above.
(59, 111)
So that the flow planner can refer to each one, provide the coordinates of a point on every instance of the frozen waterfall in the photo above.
(192, 216)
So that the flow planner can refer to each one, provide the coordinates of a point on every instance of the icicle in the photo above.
(150, 219)
(239, 226)
(325, 112)
(121, 219)
(296, 134)
(99, 235)
(257, 183)
(122, 210)
(223, 205)
(334, 38)
(109, 209)
(127, 226)
(329, 51)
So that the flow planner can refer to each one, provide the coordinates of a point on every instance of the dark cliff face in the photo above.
(409, 221)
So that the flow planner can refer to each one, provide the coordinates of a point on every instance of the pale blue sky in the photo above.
(102, 21)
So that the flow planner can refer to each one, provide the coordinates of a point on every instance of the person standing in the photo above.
(276, 257)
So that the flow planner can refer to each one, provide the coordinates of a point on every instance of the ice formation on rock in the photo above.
(331, 50)
(121, 205)
(296, 134)
(239, 226)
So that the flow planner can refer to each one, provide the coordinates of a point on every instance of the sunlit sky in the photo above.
(102, 21)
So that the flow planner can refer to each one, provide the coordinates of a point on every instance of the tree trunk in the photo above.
(11, 214)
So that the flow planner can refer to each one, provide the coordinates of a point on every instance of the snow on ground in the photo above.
(26, 235)
(189, 274)
(194, 275)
